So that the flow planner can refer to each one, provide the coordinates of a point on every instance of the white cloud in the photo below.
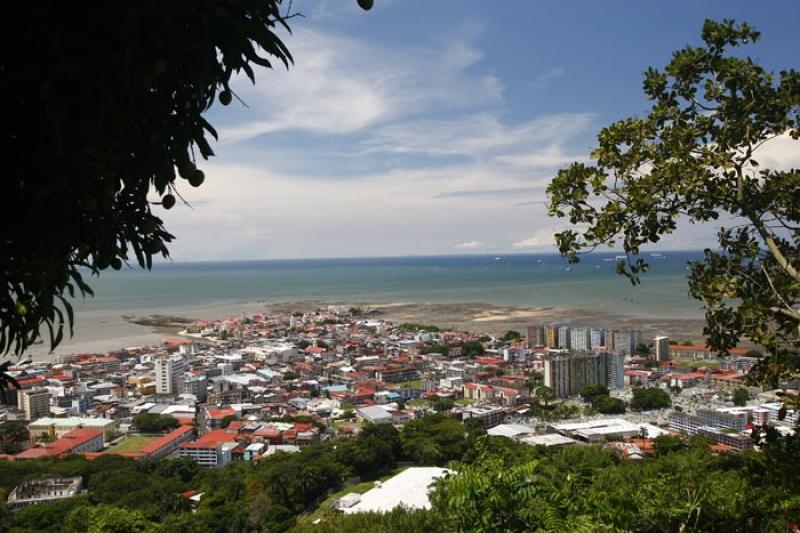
(547, 77)
(341, 85)
(469, 245)
(484, 133)
(542, 238)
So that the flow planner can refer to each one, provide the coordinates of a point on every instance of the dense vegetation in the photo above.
(498, 486)
(154, 423)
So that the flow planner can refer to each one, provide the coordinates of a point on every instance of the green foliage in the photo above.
(289, 375)
(433, 440)
(411, 326)
(512, 335)
(443, 404)
(647, 399)
(609, 406)
(665, 444)
(591, 393)
(12, 436)
(471, 348)
(695, 155)
(642, 350)
(226, 421)
(154, 423)
(103, 108)
(740, 396)
(394, 521)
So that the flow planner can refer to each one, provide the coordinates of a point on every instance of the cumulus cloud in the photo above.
(543, 238)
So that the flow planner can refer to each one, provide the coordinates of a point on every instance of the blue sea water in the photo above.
(212, 289)
(523, 280)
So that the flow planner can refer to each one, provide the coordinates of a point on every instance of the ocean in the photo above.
(208, 289)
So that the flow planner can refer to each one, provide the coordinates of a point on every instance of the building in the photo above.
(76, 441)
(196, 385)
(616, 370)
(35, 403)
(397, 375)
(214, 449)
(598, 338)
(48, 490)
(408, 489)
(581, 339)
(568, 374)
(168, 444)
(551, 336)
(169, 374)
(491, 415)
(724, 420)
(536, 336)
(58, 427)
(625, 342)
(662, 352)
(564, 340)
(605, 429)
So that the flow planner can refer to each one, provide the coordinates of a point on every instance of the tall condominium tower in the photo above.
(169, 374)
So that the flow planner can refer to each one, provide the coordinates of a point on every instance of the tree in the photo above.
(12, 436)
(443, 404)
(648, 399)
(642, 350)
(154, 423)
(433, 440)
(289, 375)
(610, 406)
(226, 421)
(591, 393)
(512, 335)
(665, 444)
(544, 394)
(103, 109)
(695, 156)
(740, 396)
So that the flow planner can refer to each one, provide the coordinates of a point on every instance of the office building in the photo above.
(536, 336)
(551, 336)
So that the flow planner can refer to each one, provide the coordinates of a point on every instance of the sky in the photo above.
(427, 127)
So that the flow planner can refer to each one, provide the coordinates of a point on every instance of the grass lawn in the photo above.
(134, 443)
(360, 488)
(463, 401)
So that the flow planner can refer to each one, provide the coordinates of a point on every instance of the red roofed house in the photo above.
(76, 441)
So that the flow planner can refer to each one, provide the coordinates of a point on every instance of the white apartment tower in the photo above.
(169, 374)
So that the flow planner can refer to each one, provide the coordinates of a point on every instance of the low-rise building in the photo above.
(48, 490)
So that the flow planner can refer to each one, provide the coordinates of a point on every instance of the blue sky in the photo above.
(433, 126)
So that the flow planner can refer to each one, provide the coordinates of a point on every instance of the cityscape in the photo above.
(381, 266)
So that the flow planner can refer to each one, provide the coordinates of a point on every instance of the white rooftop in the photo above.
(409, 489)
(511, 430)
(550, 439)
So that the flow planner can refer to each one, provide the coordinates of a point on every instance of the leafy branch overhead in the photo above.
(102, 108)
(695, 156)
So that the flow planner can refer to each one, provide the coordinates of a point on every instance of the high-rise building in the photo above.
(34, 402)
(661, 348)
(568, 374)
(169, 374)
(625, 342)
(563, 337)
(598, 338)
(616, 370)
(536, 336)
(580, 339)
(551, 336)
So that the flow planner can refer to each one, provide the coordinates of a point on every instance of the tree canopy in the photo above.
(103, 112)
(694, 157)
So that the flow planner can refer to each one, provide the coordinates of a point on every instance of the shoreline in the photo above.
(142, 328)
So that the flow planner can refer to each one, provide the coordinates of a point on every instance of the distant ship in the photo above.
(657, 255)
(498, 258)
(568, 269)
(621, 257)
